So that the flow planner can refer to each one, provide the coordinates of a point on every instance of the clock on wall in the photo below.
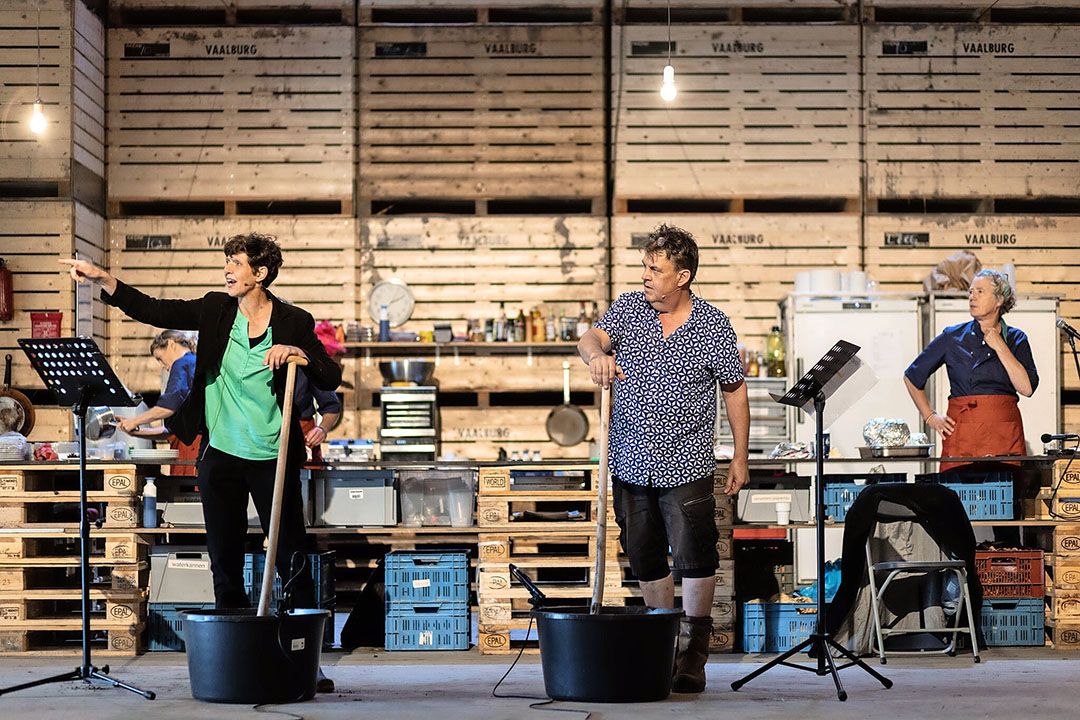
(396, 296)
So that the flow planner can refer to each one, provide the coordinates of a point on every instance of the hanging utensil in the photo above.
(567, 424)
(24, 409)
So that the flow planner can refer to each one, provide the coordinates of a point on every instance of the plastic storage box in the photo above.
(181, 577)
(425, 578)
(428, 627)
(1011, 573)
(437, 497)
(354, 498)
(322, 574)
(776, 627)
(165, 625)
(1013, 621)
(757, 501)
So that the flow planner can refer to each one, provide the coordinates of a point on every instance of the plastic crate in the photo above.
(426, 578)
(165, 625)
(839, 498)
(428, 627)
(1017, 621)
(322, 572)
(1011, 573)
(987, 500)
(776, 627)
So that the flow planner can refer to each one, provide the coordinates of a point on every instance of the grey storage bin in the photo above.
(180, 577)
(759, 504)
(354, 498)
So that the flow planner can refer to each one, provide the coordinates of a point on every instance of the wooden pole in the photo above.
(279, 485)
(600, 568)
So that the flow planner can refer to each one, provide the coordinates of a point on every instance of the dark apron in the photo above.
(985, 425)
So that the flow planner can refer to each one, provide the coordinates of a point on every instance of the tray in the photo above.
(905, 451)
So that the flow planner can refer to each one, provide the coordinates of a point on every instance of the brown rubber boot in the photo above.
(692, 654)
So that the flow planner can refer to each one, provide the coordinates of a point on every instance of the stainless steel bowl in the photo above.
(414, 371)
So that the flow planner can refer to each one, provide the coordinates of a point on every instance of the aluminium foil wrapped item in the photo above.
(886, 432)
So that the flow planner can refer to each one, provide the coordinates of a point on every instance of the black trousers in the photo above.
(225, 481)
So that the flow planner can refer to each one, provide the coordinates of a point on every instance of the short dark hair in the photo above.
(261, 250)
(677, 245)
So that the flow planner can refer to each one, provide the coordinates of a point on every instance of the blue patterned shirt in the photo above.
(665, 410)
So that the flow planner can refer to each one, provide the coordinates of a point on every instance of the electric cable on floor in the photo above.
(260, 709)
(542, 701)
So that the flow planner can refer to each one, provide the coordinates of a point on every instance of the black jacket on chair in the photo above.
(941, 513)
(213, 316)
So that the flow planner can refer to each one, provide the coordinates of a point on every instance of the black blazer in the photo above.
(213, 316)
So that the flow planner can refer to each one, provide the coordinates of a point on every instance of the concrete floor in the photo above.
(1009, 683)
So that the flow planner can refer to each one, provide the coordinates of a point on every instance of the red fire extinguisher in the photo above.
(7, 293)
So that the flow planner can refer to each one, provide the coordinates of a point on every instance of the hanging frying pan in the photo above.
(24, 409)
(567, 424)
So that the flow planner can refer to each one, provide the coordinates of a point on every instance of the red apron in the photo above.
(187, 452)
(306, 426)
(985, 425)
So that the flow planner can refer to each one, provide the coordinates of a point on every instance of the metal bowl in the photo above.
(412, 371)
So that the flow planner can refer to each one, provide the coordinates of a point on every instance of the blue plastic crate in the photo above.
(987, 500)
(415, 578)
(428, 627)
(776, 627)
(1013, 621)
(839, 498)
(322, 573)
(165, 625)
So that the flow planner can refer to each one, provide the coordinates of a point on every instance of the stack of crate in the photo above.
(427, 601)
(1065, 589)
(723, 612)
(40, 589)
(1013, 588)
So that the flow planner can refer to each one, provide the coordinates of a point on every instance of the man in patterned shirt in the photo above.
(668, 348)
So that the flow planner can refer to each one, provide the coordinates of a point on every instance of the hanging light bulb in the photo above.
(38, 123)
(668, 90)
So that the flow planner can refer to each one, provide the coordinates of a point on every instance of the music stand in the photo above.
(824, 380)
(79, 377)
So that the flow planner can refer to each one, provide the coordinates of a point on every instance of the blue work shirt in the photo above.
(665, 411)
(177, 387)
(306, 396)
(973, 368)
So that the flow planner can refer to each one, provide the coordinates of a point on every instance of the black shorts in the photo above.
(652, 519)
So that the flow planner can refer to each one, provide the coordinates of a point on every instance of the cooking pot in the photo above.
(24, 409)
(100, 423)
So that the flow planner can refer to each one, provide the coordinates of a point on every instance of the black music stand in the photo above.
(822, 381)
(79, 377)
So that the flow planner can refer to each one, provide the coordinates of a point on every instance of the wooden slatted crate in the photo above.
(33, 236)
(481, 111)
(761, 111)
(182, 258)
(747, 262)
(902, 249)
(69, 155)
(243, 113)
(117, 480)
(62, 573)
(972, 110)
(56, 638)
(126, 12)
(27, 547)
(460, 268)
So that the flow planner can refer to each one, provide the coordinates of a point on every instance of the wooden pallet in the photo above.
(747, 262)
(35, 511)
(244, 113)
(35, 234)
(1065, 636)
(501, 512)
(215, 12)
(46, 612)
(768, 110)
(971, 110)
(490, 111)
(63, 574)
(116, 480)
(25, 547)
(62, 639)
(178, 258)
(492, 481)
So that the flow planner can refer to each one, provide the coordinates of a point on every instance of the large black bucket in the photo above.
(621, 654)
(235, 656)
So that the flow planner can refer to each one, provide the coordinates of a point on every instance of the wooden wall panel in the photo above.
(762, 110)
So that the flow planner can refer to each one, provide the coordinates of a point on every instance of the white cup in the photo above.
(783, 513)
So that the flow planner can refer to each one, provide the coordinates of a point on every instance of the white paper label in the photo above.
(427, 637)
(421, 583)
(183, 564)
(771, 498)
(356, 493)
(297, 644)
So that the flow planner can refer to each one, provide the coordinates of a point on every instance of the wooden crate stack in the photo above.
(1063, 611)
(40, 586)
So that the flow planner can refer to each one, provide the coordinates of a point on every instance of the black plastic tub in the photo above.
(622, 654)
(234, 656)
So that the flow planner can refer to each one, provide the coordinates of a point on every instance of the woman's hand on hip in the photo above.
(942, 424)
(278, 354)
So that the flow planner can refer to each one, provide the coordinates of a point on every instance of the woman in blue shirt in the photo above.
(988, 364)
(175, 353)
